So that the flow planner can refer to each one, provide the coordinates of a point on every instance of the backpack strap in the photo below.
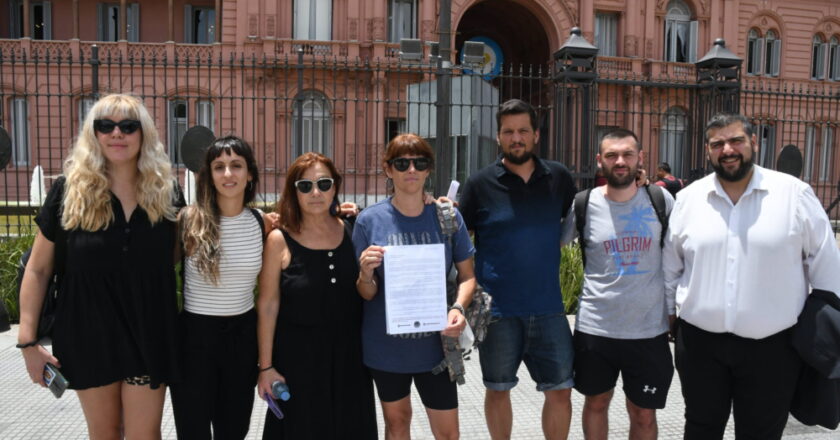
(259, 217)
(657, 199)
(581, 205)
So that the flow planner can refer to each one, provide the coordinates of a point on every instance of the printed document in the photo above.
(415, 288)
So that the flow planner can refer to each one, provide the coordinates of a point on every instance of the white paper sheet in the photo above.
(415, 288)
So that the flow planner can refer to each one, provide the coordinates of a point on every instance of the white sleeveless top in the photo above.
(241, 261)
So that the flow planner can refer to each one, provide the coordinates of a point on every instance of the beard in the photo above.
(616, 181)
(736, 175)
(518, 160)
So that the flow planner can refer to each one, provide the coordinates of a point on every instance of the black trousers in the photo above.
(219, 376)
(754, 378)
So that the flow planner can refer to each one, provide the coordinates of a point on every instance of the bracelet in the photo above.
(27, 345)
(459, 308)
(262, 370)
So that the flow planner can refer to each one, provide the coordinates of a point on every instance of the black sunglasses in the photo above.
(105, 126)
(401, 164)
(305, 185)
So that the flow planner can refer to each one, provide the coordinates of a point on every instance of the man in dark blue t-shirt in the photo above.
(515, 209)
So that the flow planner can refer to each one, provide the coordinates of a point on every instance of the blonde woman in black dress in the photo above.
(114, 334)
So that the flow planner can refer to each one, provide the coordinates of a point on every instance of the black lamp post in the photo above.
(574, 73)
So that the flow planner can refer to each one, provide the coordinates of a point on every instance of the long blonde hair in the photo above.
(87, 197)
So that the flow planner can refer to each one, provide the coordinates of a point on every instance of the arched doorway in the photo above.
(514, 27)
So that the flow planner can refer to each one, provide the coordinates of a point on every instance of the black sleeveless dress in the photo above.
(318, 348)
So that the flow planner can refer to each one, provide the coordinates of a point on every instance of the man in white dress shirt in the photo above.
(744, 247)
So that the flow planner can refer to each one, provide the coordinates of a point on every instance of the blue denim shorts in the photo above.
(544, 342)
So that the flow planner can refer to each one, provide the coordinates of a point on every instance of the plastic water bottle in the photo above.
(280, 390)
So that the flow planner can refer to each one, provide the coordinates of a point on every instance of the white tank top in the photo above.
(241, 261)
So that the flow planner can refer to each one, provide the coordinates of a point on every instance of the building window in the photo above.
(20, 131)
(205, 114)
(313, 20)
(40, 20)
(766, 135)
(85, 104)
(199, 25)
(834, 59)
(606, 34)
(825, 153)
(818, 50)
(763, 53)
(680, 34)
(176, 127)
(394, 127)
(402, 20)
(672, 139)
(108, 28)
(312, 114)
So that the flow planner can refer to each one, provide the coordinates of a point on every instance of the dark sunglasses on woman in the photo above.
(401, 164)
(105, 126)
(305, 185)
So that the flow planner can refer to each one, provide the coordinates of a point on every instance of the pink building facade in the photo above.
(232, 65)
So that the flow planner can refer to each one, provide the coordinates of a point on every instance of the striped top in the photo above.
(241, 261)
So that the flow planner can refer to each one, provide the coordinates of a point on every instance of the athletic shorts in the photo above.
(646, 367)
(436, 390)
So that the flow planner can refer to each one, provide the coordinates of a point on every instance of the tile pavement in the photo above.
(29, 412)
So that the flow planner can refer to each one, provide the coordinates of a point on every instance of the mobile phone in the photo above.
(272, 405)
(55, 380)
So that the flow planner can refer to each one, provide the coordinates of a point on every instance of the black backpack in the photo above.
(657, 199)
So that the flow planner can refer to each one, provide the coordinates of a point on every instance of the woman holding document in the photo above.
(309, 315)
(397, 360)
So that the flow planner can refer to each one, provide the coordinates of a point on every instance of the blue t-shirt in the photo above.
(383, 225)
(517, 227)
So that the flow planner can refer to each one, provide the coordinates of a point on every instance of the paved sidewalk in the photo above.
(29, 412)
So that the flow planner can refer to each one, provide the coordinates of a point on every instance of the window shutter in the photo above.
(821, 61)
(102, 27)
(755, 56)
(47, 20)
(836, 62)
(692, 42)
(134, 21)
(188, 25)
(776, 58)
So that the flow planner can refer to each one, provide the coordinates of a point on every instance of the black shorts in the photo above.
(646, 367)
(436, 390)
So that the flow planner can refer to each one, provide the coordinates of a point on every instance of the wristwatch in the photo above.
(459, 308)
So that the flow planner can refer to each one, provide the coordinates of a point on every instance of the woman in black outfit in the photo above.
(114, 332)
(309, 314)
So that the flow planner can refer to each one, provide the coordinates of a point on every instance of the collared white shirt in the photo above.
(748, 268)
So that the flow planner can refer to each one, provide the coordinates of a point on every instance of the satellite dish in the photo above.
(195, 142)
(5, 148)
(790, 161)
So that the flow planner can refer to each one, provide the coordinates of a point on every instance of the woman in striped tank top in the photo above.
(223, 242)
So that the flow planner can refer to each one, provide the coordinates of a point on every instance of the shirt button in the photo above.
(332, 280)
(332, 266)
(329, 254)
(125, 248)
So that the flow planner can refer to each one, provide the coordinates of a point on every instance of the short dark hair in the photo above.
(516, 107)
(620, 133)
(721, 120)
(665, 167)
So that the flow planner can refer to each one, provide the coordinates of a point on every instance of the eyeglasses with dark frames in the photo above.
(106, 126)
(305, 185)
